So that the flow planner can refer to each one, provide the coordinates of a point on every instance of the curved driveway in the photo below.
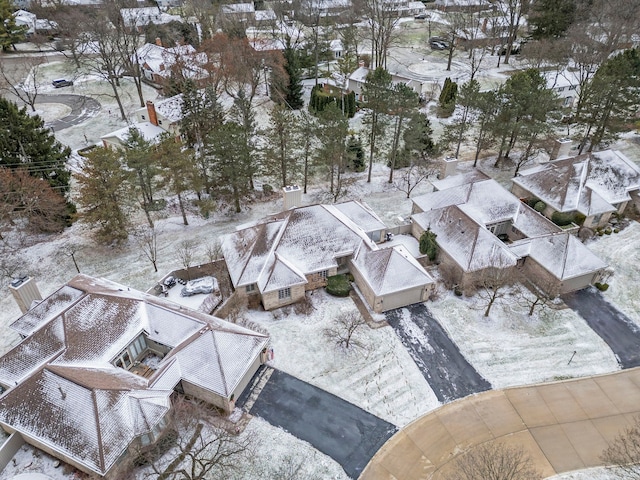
(82, 109)
(563, 426)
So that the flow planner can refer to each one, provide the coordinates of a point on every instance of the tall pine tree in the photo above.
(25, 142)
(293, 95)
(10, 32)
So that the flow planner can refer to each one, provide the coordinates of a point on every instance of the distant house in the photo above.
(462, 5)
(277, 260)
(480, 227)
(565, 85)
(158, 63)
(34, 24)
(358, 78)
(593, 185)
(98, 364)
(137, 18)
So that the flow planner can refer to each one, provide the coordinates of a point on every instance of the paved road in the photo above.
(614, 327)
(561, 426)
(438, 358)
(82, 109)
(335, 427)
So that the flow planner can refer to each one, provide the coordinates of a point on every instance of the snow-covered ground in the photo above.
(508, 348)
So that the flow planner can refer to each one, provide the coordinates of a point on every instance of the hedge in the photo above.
(338, 286)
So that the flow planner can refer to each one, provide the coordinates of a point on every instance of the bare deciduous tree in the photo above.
(71, 250)
(200, 449)
(494, 286)
(623, 454)
(213, 250)
(494, 461)
(412, 176)
(22, 78)
(147, 239)
(343, 330)
(186, 252)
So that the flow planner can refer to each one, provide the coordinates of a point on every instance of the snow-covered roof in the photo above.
(471, 176)
(170, 108)
(279, 251)
(149, 132)
(591, 184)
(532, 224)
(562, 254)
(265, 16)
(390, 270)
(466, 241)
(238, 8)
(64, 390)
(160, 60)
(140, 16)
(485, 200)
(360, 214)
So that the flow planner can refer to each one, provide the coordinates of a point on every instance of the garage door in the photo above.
(402, 299)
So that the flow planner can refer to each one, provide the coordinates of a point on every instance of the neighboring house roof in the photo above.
(149, 131)
(140, 16)
(64, 391)
(532, 224)
(292, 244)
(160, 60)
(591, 184)
(238, 8)
(485, 201)
(361, 215)
(472, 176)
(390, 270)
(562, 254)
(465, 240)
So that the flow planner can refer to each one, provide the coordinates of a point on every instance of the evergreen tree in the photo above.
(139, 158)
(403, 101)
(179, 174)
(104, 195)
(10, 32)
(25, 142)
(280, 160)
(418, 143)
(243, 115)
(551, 18)
(447, 99)
(333, 131)
(293, 95)
(355, 154)
(202, 113)
(466, 101)
(611, 99)
(428, 245)
(375, 92)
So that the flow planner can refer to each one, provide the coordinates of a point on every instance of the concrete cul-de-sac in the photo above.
(562, 426)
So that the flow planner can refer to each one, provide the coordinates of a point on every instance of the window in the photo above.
(323, 274)
(142, 116)
(250, 288)
(284, 293)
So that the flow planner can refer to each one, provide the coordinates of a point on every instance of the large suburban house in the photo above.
(481, 228)
(152, 121)
(359, 77)
(593, 185)
(281, 257)
(157, 62)
(97, 367)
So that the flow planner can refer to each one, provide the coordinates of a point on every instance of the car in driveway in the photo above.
(61, 82)
(199, 285)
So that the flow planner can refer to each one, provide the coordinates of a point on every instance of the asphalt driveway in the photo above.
(438, 358)
(614, 327)
(337, 428)
(82, 109)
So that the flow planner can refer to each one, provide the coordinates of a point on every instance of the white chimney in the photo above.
(25, 291)
(561, 148)
(292, 196)
(450, 166)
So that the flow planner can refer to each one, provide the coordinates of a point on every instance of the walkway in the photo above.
(339, 429)
(614, 327)
(563, 426)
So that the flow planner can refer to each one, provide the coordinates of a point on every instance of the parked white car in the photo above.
(199, 285)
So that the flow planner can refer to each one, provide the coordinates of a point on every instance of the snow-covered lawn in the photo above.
(622, 252)
(380, 378)
(510, 348)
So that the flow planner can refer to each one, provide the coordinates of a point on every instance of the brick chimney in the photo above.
(151, 110)
(158, 41)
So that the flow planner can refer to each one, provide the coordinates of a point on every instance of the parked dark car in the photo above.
(421, 16)
(170, 281)
(61, 82)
